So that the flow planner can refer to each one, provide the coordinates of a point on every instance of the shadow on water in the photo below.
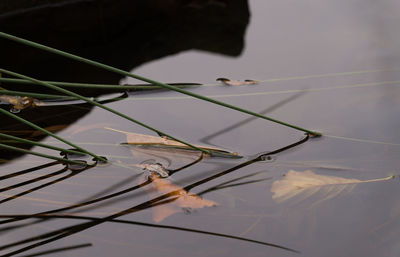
(124, 34)
(157, 201)
(276, 106)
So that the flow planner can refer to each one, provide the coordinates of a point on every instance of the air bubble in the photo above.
(267, 158)
(15, 110)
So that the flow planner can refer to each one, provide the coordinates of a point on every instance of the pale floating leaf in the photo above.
(136, 139)
(237, 82)
(167, 158)
(185, 201)
(308, 183)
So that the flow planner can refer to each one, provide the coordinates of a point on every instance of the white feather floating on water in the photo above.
(307, 183)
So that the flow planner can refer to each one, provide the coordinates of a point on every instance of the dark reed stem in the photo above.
(57, 250)
(65, 232)
(61, 216)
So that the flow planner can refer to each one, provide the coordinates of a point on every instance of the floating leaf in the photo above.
(307, 183)
(166, 143)
(237, 82)
(185, 201)
(148, 158)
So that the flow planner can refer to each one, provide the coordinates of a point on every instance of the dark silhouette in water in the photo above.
(120, 33)
(160, 200)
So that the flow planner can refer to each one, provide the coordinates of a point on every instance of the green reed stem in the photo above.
(65, 91)
(17, 149)
(26, 141)
(12, 115)
(91, 85)
(128, 74)
(54, 148)
(34, 95)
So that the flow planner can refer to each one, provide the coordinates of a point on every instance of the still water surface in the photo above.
(327, 66)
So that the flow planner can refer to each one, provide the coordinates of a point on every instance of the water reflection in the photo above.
(58, 250)
(341, 53)
(169, 194)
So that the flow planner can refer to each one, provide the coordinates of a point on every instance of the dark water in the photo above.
(332, 67)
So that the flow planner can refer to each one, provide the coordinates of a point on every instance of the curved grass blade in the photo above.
(30, 181)
(98, 105)
(56, 235)
(125, 73)
(26, 141)
(157, 200)
(35, 95)
(17, 149)
(57, 250)
(32, 169)
(69, 175)
(197, 231)
(118, 88)
(49, 133)
(229, 184)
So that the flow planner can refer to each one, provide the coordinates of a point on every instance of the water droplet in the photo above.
(267, 158)
(77, 167)
(14, 110)
(100, 162)
(83, 158)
